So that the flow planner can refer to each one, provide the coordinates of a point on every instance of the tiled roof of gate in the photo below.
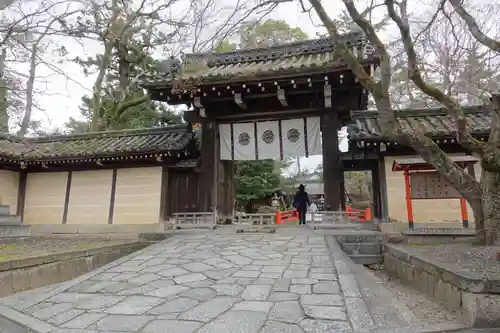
(316, 55)
(99, 144)
(434, 122)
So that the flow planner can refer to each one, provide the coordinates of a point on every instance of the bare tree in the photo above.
(34, 49)
(450, 58)
(483, 196)
(23, 26)
(129, 33)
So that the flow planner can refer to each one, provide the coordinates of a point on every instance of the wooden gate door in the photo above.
(183, 191)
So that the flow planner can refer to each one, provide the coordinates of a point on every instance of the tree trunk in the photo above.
(490, 184)
(4, 115)
(29, 92)
(490, 177)
(97, 90)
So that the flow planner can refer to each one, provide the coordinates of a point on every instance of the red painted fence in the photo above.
(363, 215)
(290, 216)
(287, 216)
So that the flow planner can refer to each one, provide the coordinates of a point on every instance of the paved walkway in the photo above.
(294, 281)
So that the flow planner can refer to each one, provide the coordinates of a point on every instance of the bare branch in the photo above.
(474, 27)
(342, 48)
(464, 136)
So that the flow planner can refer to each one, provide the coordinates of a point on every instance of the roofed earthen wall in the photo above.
(45, 197)
(9, 184)
(138, 195)
(90, 197)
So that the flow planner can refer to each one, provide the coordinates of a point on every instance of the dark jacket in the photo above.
(301, 200)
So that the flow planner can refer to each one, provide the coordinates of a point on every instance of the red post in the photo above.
(278, 217)
(368, 214)
(409, 208)
(463, 210)
(348, 211)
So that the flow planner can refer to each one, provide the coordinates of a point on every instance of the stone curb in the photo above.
(349, 275)
(480, 308)
(357, 310)
(465, 280)
(26, 321)
(7, 311)
(50, 258)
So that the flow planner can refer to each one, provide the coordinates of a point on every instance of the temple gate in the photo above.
(276, 102)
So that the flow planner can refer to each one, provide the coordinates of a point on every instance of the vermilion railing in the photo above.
(290, 216)
(287, 216)
(363, 215)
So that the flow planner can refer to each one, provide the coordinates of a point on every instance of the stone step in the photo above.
(366, 259)
(10, 220)
(360, 237)
(14, 231)
(362, 248)
(347, 226)
(4, 210)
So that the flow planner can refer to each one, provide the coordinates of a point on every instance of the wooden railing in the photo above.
(254, 219)
(327, 219)
(195, 220)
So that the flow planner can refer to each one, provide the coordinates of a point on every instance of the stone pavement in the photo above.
(293, 281)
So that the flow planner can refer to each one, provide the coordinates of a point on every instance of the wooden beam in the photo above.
(150, 162)
(384, 201)
(332, 167)
(66, 199)
(290, 92)
(282, 97)
(376, 193)
(327, 90)
(274, 115)
(342, 190)
(208, 166)
(111, 212)
(239, 101)
(164, 208)
(191, 117)
(21, 194)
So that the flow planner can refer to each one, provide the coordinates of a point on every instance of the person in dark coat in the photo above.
(301, 202)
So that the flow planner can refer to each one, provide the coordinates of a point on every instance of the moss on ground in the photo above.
(38, 247)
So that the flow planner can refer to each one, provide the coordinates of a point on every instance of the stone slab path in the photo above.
(293, 281)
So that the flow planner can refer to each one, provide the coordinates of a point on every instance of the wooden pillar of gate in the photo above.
(332, 168)
(209, 166)
(376, 190)
(226, 189)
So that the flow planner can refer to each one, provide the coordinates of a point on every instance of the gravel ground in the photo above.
(477, 259)
(33, 247)
(425, 308)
